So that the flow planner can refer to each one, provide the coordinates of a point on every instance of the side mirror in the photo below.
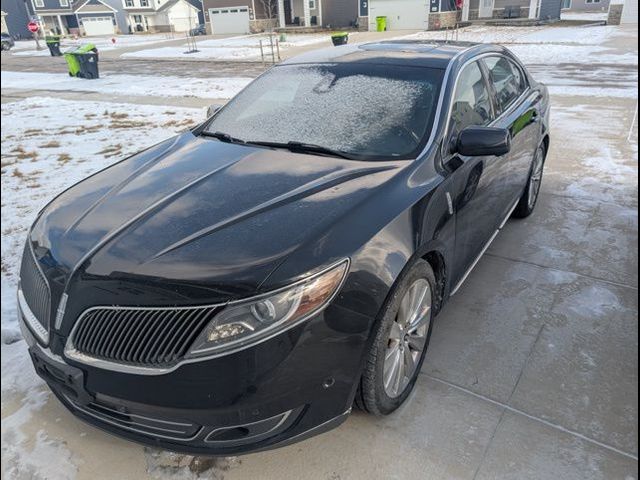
(483, 141)
(212, 110)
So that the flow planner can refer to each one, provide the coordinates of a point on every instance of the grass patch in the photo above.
(27, 155)
(120, 124)
(32, 132)
(111, 151)
(64, 158)
(50, 144)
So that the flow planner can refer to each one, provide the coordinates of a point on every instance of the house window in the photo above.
(144, 3)
(128, 3)
(137, 18)
(312, 4)
(64, 3)
(39, 3)
(593, 1)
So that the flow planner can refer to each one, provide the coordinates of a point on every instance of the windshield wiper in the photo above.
(301, 147)
(223, 137)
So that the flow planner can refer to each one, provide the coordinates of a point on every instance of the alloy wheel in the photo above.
(407, 338)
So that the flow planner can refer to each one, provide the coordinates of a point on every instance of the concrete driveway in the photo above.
(532, 370)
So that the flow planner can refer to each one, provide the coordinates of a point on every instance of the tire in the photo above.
(375, 393)
(529, 198)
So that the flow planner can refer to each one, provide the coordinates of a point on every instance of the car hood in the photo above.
(197, 211)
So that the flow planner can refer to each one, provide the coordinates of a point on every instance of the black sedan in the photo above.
(240, 286)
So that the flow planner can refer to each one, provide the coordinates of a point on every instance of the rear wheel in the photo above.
(530, 195)
(400, 344)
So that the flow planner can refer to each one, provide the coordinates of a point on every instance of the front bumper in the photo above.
(294, 386)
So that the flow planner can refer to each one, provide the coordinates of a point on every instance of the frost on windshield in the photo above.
(354, 113)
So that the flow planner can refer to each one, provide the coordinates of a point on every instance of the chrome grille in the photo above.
(139, 423)
(150, 337)
(34, 287)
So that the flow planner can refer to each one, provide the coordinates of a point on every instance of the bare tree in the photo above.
(270, 9)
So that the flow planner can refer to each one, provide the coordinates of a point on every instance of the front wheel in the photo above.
(530, 195)
(401, 338)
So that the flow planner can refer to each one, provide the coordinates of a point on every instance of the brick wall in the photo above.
(262, 24)
(442, 20)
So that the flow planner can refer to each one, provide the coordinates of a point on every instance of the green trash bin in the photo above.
(53, 43)
(381, 24)
(73, 60)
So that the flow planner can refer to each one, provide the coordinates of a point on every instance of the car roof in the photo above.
(423, 53)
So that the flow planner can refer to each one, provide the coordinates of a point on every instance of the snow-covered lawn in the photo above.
(48, 145)
(139, 85)
(28, 47)
(233, 48)
(546, 44)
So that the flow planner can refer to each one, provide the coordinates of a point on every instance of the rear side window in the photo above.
(508, 80)
(471, 101)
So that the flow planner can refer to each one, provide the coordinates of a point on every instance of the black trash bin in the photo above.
(88, 65)
(54, 46)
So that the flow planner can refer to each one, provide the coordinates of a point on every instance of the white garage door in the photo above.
(401, 14)
(630, 12)
(98, 26)
(229, 20)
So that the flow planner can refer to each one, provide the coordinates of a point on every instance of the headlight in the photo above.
(250, 321)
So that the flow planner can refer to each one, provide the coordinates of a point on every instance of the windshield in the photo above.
(367, 111)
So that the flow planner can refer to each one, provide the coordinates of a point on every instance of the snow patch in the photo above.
(136, 85)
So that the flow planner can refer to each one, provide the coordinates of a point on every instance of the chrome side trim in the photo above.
(445, 80)
(449, 203)
(284, 416)
(30, 319)
(484, 249)
(73, 354)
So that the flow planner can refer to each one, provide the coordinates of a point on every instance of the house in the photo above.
(120, 15)
(245, 16)
(542, 10)
(56, 16)
(438, 14)
(95, 17)
(585, 5)
(160, 15)
(15, 17)
(82, 17)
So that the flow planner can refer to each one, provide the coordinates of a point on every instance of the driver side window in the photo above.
(471, 102)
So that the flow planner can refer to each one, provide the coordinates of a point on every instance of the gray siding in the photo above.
(17, 18)
(550, 9)
(121, 15)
